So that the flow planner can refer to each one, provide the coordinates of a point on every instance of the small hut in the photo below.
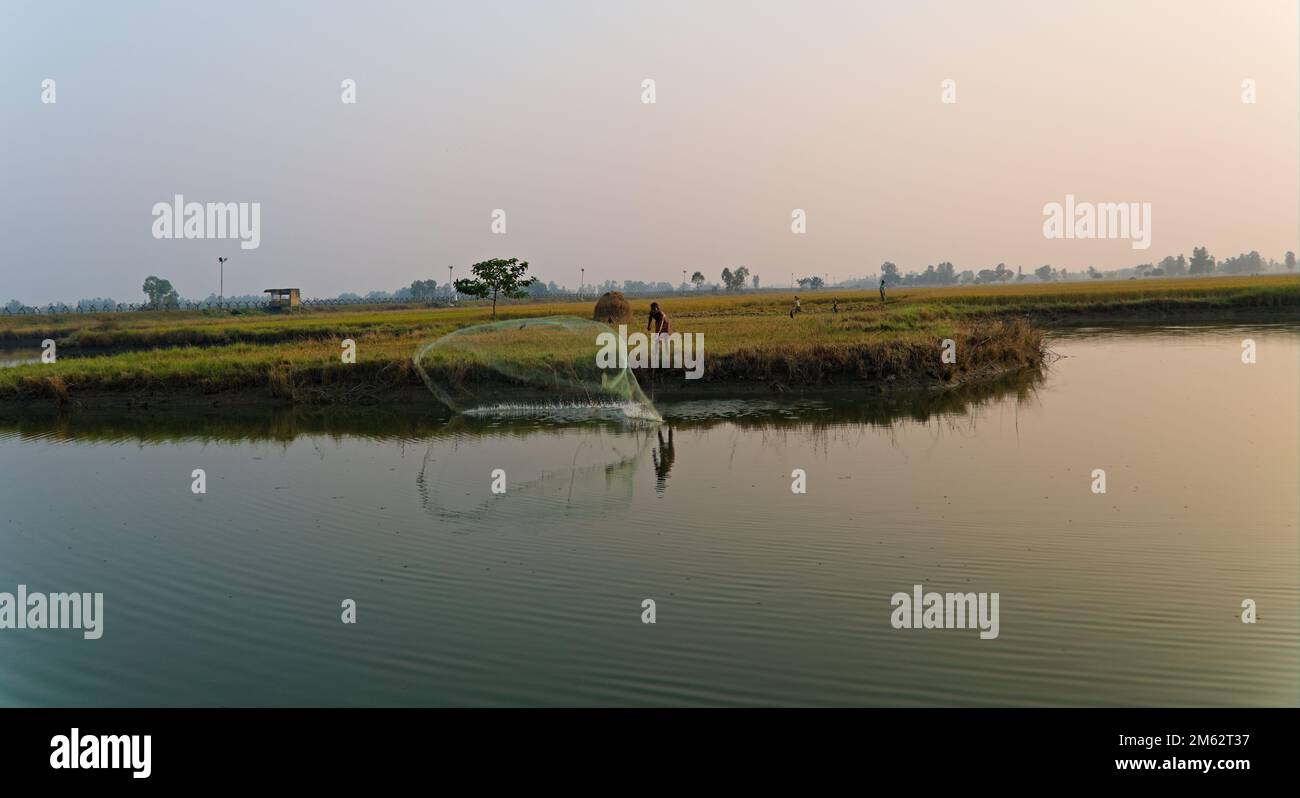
(612, 308)
(283, 298)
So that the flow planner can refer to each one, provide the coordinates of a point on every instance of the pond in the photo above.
(762, 595)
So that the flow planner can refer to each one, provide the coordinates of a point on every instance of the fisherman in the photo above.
(658, 321)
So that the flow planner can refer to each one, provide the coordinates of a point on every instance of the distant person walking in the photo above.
(797, 308)
(882, 289)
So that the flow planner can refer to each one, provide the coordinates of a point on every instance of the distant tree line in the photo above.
(1200, 263)
(159, 292)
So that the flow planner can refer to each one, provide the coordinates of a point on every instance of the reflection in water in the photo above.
(18, 357)
(663, 457)
(596, 479)
(1174, 332)
(591, 459)
(285, 424)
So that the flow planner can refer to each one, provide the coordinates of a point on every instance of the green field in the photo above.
(750, 340)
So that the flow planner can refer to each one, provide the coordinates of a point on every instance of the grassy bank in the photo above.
(751, 343)
(1045, 302)
(806, 353)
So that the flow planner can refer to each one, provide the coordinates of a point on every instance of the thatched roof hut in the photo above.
(612, 308)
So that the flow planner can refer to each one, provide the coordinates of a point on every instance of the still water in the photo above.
(763, 596)
(10, 356)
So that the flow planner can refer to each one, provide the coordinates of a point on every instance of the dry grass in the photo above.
(748, 338)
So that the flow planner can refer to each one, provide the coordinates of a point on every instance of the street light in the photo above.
(582, 280)
(221, 290)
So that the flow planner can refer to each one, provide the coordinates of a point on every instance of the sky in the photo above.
(536, 108)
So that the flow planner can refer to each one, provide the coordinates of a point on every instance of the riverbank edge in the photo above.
(410, 392)
(409, 396)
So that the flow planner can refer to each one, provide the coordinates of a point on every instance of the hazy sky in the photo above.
(536, 108)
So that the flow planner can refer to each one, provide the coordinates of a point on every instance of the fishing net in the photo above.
(547, 366)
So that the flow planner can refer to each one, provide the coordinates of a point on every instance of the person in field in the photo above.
(882, 289)
(658, 321)
(796, 308)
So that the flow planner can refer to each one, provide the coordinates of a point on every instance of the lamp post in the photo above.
(582, 280)
(221, 289)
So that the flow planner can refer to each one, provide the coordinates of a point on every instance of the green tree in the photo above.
(1290, 261)
(697, 280)
(735, 281)
(497, 277)
(1044, 273)
(424, 289)
(1201, 262)
(1246, 263)
(160, 292)
(1173, 266)
(889, 272)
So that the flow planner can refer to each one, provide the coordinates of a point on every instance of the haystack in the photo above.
(612, 308)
